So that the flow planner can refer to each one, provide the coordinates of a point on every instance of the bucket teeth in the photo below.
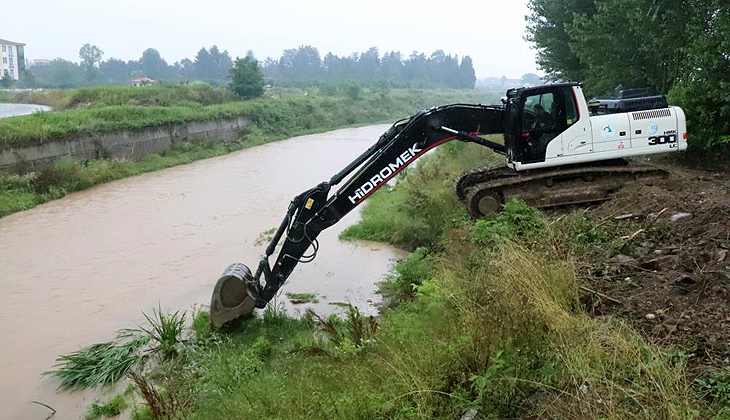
(233, 295)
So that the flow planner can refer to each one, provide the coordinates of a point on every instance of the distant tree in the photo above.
(152, 64)
(303, 63)
(186, 68)
(246, 79)
(415, 67)
(531, 78)
(90, 56)
(59, 73)
(368, 65)
(204, 65)
(467, 76)
(114, 70)
(27, 79)
(391, 66)
(6, 81)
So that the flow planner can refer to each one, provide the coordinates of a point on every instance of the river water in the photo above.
(75, 270)
(12, 110)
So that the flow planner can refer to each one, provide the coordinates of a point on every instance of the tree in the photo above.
(531, 79)
(6, 81)
(548, 28)
(246, 79)
(152, 64)
(59, 73)
(90, 56)
(114, 70)
(467, 76)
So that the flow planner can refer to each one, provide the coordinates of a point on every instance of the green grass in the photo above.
(270, 119)
(152, 95)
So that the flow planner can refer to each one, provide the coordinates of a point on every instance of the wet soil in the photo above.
(672, 280)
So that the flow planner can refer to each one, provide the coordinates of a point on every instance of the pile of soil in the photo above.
(672, 281)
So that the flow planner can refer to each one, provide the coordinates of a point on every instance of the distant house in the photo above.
(142, 81)
(12, 58)
(40, 62)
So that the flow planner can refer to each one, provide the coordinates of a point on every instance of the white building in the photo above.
(12, 58)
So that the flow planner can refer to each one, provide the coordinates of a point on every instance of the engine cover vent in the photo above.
(656, 113)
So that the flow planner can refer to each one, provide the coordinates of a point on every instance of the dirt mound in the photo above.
(672, 281)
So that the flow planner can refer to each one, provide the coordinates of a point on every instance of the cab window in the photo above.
(540, 112)
(571, 112)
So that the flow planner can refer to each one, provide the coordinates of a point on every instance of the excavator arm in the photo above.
(238, 292)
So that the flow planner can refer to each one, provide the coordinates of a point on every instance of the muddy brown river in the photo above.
(75, 270)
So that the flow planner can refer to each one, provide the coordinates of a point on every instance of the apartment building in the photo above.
(12, 58)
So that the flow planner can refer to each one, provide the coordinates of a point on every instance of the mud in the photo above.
(673, 279)
(75, 270)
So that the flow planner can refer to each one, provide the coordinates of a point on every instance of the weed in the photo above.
(165, 331)
(162, 405)
(98, 364)
(299, 298)
(715, 387)
(398, 286)
(517, 219)
(111, 408)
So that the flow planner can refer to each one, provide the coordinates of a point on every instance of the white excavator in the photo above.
(560, 150)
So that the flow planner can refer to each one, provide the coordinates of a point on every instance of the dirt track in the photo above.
(673, 280)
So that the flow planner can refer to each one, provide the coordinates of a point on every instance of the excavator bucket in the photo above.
(233, 296)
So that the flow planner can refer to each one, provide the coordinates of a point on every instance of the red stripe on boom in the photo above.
(442, 141)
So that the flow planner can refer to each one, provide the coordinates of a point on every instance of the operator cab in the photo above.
(535, 117)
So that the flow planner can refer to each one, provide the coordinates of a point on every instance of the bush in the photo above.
(399, 286)
(353, 90)
(246, 79)
(517, 219)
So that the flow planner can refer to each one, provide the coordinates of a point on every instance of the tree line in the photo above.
(417, 70)
(295, 66)
(678, 47)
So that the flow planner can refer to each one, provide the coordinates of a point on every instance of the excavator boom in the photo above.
(238, 291)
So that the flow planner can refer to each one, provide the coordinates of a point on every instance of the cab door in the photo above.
(541, 121)
(577, 138)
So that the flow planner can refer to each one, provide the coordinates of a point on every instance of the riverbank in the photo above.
(494, 318)
(281, 115)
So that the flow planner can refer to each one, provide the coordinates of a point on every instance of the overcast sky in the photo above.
(490, 31)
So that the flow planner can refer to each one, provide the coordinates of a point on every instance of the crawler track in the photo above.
(485, 190)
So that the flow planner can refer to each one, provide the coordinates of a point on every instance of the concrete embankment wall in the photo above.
(125, 144)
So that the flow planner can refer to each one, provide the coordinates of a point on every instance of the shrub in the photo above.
(398, 286)
(246, 79)
(517, 219)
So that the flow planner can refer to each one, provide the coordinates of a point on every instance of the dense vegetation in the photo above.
(296, 67)
(280, 114)
(680, 48)
(483, 316)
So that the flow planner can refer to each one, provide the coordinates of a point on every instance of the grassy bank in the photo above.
(281, 115)
(484, 316)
